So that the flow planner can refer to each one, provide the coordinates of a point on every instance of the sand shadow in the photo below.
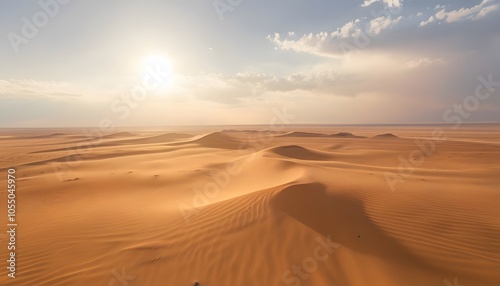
(344, 220)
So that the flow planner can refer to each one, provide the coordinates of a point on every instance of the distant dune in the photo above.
(303, 134)
(46, 136)
(311, 134)
(248, 131)
(118, 135)
(386, 135)
(214, 140)
(298, 152)
(346, 135)
(163, 138)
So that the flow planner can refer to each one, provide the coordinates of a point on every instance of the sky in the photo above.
(76, 63)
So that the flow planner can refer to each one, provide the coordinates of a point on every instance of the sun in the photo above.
(156, 59)
(158, 69)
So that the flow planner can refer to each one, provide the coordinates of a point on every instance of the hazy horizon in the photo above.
(287, 126)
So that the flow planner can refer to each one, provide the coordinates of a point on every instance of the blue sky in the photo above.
(234, 62)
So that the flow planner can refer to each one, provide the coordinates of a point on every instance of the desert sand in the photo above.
(232, 205)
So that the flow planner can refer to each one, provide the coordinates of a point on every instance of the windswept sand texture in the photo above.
(242, 207)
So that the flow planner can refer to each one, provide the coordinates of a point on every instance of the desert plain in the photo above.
(249, 205)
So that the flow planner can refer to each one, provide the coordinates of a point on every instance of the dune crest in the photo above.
(299, 152)
(386, 135)
(303, 134)
(163, 138)
(118, 135)
(323, 135)
(217, 140)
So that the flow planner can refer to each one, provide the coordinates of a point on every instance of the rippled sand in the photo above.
(309, 205)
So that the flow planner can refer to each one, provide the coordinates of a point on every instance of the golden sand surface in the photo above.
(245, 205)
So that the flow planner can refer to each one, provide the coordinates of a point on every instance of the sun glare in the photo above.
(159, 69)
(156, 59)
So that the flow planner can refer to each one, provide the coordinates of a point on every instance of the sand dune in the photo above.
(312, 134)
(226, 208)
(47, 136)
(386, 135)
(164, 138)
(346, 135)
(215, 140)
(119, 135)
(303, 134)
(298, 152)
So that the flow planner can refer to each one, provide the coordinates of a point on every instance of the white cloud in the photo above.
(234, 89)
(332, 44)
(439, 7)
(419, 14)
(393, 3)
(441, 14)
(14, 88)
(379, 24)
(487, 10)
(472, 13)
(330, 79)
(311, 43)
(368, 3)
(389, 3)
(423, 62)
(347, 30)
(430, 20)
